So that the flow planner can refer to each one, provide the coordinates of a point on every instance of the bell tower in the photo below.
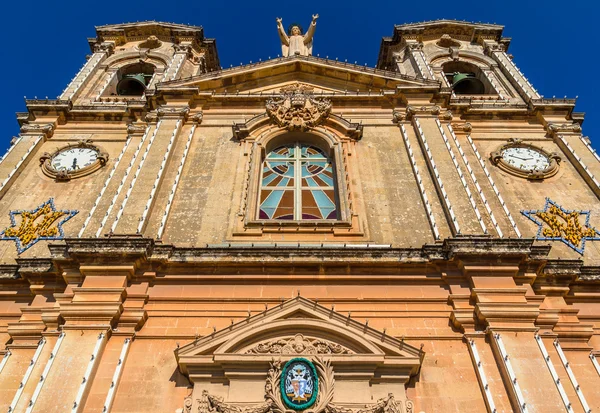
(130, 59)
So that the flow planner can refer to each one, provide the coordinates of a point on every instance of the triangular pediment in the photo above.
(298, 327)
(323, 75)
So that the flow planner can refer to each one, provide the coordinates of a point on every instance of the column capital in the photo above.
(45, 129)
(104, 47)
(173, 112)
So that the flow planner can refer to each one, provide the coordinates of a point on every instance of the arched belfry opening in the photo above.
(134, 79)
(466, 79)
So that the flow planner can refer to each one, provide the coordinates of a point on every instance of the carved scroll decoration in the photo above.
(274, 404)
(296, 108)
(299, 345)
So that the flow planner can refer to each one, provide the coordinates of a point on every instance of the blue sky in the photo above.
(45, 43)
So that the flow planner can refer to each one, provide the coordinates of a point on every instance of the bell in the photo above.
(133, 84)
(467, 84)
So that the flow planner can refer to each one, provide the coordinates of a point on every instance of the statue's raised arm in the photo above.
(311, 31)
(284, 39)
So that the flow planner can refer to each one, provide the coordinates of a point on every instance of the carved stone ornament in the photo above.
(447, 115)
(33, 128)
(296, 108)
(454, 53)
(106, 47)
(135, 129)
(447, 41)
(173, 112)
(91, 158)
(275, 401)
(398, 116)
(465, 127)
(182, 48)
(501, 157)
(422, 111)
(494, 47)
(415, 46)
(151, 42)
(564, 127)
(299, 345)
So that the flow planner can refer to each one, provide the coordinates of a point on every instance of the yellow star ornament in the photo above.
(43, 223)
(558, 224)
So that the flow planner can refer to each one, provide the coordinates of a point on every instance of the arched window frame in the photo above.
(321, 138)
(494, 79)
(113, 65)
(298, 155)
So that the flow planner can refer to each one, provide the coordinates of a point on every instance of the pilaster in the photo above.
(415, 50)
(497, 52)
(101, 52)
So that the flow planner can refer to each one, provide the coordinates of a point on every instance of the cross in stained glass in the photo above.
(558, 224)
(297, 183)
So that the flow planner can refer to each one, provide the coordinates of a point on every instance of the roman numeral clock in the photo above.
(73, 161)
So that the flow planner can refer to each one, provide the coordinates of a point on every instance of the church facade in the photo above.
(300, 234)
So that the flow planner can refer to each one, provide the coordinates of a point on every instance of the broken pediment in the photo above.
(324, 75)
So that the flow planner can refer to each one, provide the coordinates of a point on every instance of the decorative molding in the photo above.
(299, 345)
(133, 129)
(104, 47)
(151, 42)
(274, 402)
(197, 118)
(296, 108)
(558, 224)
(447, 115)
(36, 225)
(182, 48)
(493, 47)
(47, 130)
(167, 112)
(447, 41)
(422, 111)
(554, 128)
(417, 46)
(151, 117)
(398, 116)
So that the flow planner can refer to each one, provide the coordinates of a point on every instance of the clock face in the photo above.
(72, 159)
(526, 159)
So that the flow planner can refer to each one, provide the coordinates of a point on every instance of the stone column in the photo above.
(90, 306)
(507, 306)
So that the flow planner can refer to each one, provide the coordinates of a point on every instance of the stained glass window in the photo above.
(297, 184)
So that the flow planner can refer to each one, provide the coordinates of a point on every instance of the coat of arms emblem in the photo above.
(299, 384)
